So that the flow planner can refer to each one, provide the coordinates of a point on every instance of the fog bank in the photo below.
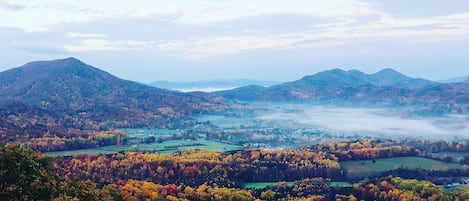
(369, 121)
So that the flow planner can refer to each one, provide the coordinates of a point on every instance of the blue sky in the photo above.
(279, 40)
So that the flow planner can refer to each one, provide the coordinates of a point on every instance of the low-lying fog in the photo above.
(369, 121)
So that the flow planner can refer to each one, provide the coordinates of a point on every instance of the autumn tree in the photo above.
(25, 174)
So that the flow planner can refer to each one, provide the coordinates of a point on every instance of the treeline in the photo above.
(390, 188)
(439, 177)
(376, 149)
(367, 149)
(304, 188)
(307, 189)
(28, 175)
(86, 140)
(197, 167)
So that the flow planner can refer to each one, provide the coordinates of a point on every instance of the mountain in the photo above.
(387, 87)
(390, 77)
(69, 94)
(456, 79)
(335, 84)
(209, 85)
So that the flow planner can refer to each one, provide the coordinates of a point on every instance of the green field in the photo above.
(154, 147)
(264, 184)
(142, 132)
(165, 147)
(364, 168)
(95, 151)
(290, 183)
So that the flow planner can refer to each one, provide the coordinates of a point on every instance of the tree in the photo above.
(78, 190)
(268, 195)
(25, 174)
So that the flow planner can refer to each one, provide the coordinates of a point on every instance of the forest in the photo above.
(307, 173)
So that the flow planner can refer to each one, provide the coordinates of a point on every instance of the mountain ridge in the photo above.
(69, 94)
(385, 87)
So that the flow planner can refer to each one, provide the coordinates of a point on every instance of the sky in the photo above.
(150, 40)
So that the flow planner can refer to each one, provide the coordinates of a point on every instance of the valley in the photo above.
(328, 135)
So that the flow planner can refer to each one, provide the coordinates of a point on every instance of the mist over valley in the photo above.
(300, 100)
(377, 122)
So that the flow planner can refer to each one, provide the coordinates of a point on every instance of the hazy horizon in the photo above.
(240, 78)
(147, 41)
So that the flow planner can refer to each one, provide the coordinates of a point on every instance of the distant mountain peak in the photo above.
(388, 71)
(356, 72)
(336, 76)
(71, 60)
(334, 71)
(54, 66)
(68, 61)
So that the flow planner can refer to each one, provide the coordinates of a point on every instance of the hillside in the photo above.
(386, 87)
(69, 94)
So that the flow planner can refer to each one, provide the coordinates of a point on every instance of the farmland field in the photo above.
(265, 184)
(363, 168)
(165, 147)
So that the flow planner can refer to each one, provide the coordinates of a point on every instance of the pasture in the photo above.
(364, 168)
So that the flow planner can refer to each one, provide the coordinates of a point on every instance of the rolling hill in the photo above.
(69, 94)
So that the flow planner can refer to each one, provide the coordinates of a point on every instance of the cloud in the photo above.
(419, 8)
(8, 6)
(108, 45)
(309, 35)
(62, 6)
(216, 46)
(325, 34)
(40, 49)
(30, 42)
(84, 35)
(239, 33)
